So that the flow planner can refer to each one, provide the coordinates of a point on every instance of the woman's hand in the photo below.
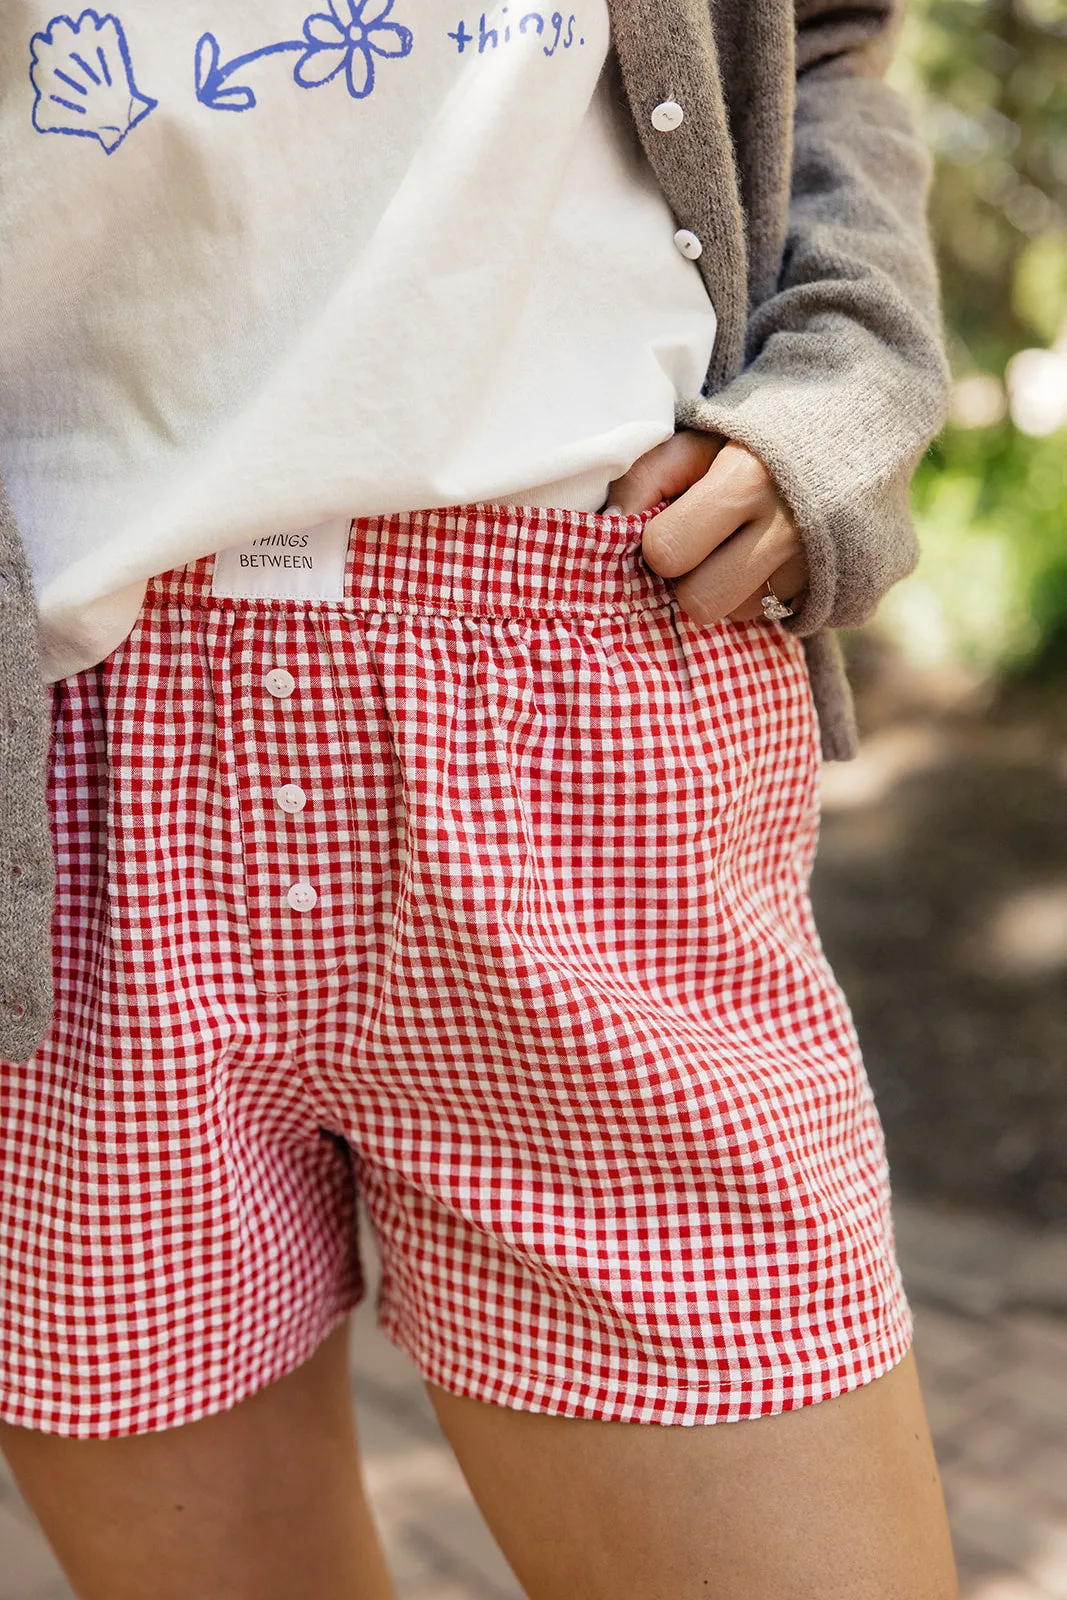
(727, 532)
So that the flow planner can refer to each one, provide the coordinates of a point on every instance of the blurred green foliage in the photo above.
(989, 81)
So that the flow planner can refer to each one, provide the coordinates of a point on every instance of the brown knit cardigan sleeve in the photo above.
(844, 380)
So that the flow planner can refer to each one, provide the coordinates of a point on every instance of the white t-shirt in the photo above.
(263, 266)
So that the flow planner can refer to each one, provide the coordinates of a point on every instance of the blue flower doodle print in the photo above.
(347, 38)
(82, 79)
(351, 37)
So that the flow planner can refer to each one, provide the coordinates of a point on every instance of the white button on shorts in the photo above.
(279, 682)
(689, 244)
(291, 797)
(302, 896)
(667, 117)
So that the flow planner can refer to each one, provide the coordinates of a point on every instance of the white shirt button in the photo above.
(291, 797)
(279, 683)
(689, 244)
(302, 896)
(667, 117)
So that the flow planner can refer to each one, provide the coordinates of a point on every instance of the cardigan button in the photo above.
(689, 245)
(667, 117)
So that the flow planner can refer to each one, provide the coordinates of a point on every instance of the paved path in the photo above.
(993, 1359)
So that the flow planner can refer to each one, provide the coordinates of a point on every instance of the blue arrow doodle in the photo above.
(347, 39)
(211, 85)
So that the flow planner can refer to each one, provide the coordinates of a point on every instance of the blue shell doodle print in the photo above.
(83, 82)
(347, 39)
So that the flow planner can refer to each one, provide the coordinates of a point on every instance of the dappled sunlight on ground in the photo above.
(941, 895)
(1027, 934)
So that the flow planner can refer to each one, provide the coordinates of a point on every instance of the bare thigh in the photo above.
(264, 1502)
(837, 1501)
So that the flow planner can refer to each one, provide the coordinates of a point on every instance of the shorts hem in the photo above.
(90, 1422)
(676, 1401)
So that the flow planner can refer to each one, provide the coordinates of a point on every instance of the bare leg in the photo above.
(264, 1502)
(838, 1501)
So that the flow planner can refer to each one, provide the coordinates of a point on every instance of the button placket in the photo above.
(297, 836)
(300, 896)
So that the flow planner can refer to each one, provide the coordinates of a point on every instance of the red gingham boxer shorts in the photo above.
(498, 919)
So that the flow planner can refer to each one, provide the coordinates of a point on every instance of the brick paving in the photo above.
(996, 1390)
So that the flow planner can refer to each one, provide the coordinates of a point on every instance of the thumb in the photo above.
(664, 472)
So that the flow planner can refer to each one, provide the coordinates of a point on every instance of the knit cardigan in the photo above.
(803, 178)
(25, 847)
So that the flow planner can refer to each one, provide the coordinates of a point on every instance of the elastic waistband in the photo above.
(473, 561)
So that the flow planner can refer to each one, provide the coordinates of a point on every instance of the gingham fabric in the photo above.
(481, 893)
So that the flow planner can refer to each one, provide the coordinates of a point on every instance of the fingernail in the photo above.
(612, 511)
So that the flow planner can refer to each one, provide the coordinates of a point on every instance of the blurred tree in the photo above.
(942, 878)
(989, 78)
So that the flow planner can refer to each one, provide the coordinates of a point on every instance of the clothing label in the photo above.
(308, 564)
